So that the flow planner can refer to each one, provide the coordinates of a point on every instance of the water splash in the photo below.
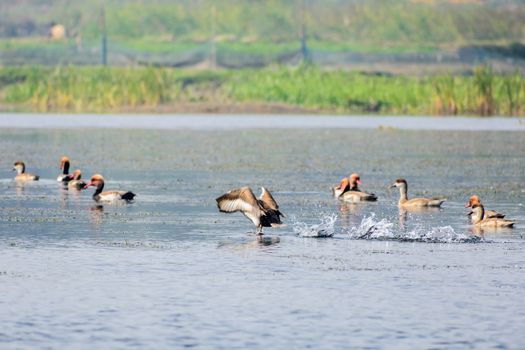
(373, 229)
(441, 234)
(326, 228)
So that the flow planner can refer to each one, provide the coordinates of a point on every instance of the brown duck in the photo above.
(20, 168)
(262, 211)
(473, 200)
(479, 218)
(404, 202)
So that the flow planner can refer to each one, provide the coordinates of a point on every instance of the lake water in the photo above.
(170, 271)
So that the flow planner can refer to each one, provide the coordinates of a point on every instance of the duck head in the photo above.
(19, 167)
(97, 181)
(400, 183)
(355, 180)
(77, 175)
(473, 200)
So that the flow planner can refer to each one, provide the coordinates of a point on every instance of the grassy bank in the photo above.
(99, 89)
(371, 22)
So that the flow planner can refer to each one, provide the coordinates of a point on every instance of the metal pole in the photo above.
(104, 48)
(213, 48)
(304, 48)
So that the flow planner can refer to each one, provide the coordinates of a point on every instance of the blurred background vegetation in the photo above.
(373, 56)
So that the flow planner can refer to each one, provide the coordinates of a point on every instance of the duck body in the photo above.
(108, 196)
(27, 177)
(76, 185)
(404, 202)
(64, 165)
(114, 196)
(22, 176)
(75, 182)
(358, 196)
(479, 219)
(262, 212)
(349, 191)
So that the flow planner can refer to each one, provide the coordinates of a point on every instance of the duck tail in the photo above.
(436, 202)
(128, 196)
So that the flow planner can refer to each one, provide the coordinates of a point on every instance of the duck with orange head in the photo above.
(473, 200)
(114, 196)
(348, 190)
(64, 166)
(75, 181)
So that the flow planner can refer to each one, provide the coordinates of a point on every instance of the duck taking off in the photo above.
(262, 211)
(480, 219)
(20, 168)
(348, 190)
(75, 181)
(473, 200)
(404, 202)
(109, 196)
(64, 165)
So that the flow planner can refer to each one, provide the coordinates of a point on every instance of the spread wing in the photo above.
(240, 199)
(268, 200)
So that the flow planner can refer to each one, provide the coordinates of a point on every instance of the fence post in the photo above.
(304, 48)
(104, 47)
(213, 47)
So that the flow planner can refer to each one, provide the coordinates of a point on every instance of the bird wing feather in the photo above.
(240, 199)
(268, 199)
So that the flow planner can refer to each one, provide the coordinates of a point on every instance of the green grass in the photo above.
(402, 23)
(106, 89)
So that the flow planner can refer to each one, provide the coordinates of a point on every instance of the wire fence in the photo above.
(210, 56)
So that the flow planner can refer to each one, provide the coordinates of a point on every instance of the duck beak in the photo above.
(392, 186)
(358, 182)
(89, 184)
(468, 205)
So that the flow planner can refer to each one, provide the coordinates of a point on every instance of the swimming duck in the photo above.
(75, 181)
(404, 202)
(488, 213)
(64, 165)
(97, 181)
(262, 211)
(479, 218)
(20, 168)
(349, 191)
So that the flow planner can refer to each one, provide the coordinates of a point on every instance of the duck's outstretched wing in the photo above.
(270, 207)
(268, 199)
(240, 199)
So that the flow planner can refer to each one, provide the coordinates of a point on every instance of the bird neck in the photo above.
(65, 169)
(403, 193)
(100, 187)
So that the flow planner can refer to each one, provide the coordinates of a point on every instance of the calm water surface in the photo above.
(170, 271)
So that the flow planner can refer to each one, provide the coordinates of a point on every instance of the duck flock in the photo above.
(263, 211)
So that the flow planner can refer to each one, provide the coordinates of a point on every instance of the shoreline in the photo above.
(199, 121)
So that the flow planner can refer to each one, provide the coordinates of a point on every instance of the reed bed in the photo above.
(107, 89)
